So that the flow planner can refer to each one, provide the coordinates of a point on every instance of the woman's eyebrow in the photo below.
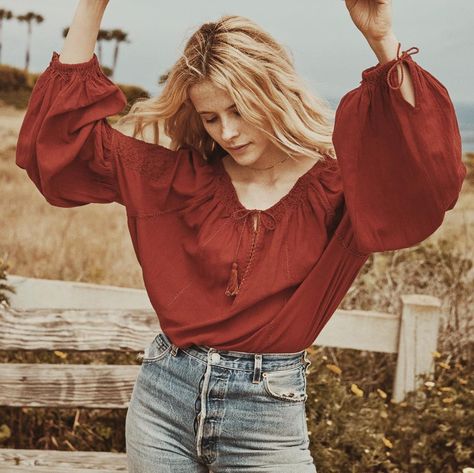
(203, 111)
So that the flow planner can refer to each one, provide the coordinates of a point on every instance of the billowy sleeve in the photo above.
(66, 144)
(75, 157)
(400, 165)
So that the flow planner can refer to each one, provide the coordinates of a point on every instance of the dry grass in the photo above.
(89, 243)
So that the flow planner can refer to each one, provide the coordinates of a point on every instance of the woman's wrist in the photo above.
(385, 48)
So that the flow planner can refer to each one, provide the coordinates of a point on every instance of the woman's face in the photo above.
(223, 123)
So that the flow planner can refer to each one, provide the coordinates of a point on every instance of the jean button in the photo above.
(215, 357)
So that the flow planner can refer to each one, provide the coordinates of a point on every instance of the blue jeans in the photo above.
(200, 410)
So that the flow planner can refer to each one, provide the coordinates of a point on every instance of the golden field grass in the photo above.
(88, 243)
(91, 243)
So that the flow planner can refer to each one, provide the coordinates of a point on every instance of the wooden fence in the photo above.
(64, 325)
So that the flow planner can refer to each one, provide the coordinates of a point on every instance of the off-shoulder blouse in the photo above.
(212, 276)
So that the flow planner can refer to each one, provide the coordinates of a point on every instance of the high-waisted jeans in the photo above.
(200, 410)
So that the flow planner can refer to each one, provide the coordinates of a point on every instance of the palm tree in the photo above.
(163, 78)
(119, 36)
(4, 15)
(29, 18)
(104, 35)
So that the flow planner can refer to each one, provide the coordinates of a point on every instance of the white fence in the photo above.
(411, 334)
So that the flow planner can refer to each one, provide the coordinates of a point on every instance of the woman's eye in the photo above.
(212, 120)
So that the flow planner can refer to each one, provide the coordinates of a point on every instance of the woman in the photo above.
(251, 226)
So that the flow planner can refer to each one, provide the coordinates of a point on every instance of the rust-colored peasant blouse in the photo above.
(398, 170)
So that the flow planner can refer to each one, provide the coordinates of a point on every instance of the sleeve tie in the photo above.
(393, 67)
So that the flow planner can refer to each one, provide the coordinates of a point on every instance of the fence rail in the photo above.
(60, 315)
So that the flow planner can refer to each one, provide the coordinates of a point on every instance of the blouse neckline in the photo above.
(289, 200)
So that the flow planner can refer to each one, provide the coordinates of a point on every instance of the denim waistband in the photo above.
(241, 360)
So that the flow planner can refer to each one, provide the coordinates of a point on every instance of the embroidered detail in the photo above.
(226, 193)
(148, 162)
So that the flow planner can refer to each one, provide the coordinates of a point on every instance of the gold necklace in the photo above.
(269, 167)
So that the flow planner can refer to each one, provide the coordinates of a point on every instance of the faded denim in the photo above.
(200, 410)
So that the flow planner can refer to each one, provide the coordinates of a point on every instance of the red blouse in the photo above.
(398, 171)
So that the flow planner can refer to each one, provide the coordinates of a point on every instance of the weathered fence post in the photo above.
(417, 341)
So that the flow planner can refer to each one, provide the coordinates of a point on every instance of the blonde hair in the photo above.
(234, 53)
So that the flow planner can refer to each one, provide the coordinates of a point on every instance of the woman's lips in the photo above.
(239, 148)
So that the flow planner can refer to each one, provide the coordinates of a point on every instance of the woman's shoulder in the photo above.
(154, 160)
(326, 185)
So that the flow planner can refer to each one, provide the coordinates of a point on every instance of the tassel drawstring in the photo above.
(233, 285)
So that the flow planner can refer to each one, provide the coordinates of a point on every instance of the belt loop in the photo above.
(307, 361)
(257, 368)
(174, 349)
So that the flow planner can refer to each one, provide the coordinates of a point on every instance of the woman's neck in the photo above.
(289, 170)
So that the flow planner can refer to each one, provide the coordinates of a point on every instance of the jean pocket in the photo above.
(155, 351)
(286, 385)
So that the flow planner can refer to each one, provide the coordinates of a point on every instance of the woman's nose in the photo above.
(229, 131)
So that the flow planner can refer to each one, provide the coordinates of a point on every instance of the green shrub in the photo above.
(16, 87)
(429, 432)
(132, 92)
(433, 431)
(107, 70)
(12, 78)
(439, 267)
(362, 431)
(32, 78)
(15, 98)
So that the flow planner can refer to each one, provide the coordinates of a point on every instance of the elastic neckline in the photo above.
(231, 200)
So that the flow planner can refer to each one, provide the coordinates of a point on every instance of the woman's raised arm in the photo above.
(398, 144)
(82, 36)
(66, 144)
(72, 153)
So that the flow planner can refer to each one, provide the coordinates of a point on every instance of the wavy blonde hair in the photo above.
(234, 53)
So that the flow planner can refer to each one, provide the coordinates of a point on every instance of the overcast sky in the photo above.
(329, 52)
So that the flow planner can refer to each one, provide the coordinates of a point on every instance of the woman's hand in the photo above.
(373, 18)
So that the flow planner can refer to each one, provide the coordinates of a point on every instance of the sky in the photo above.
(328, 50)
